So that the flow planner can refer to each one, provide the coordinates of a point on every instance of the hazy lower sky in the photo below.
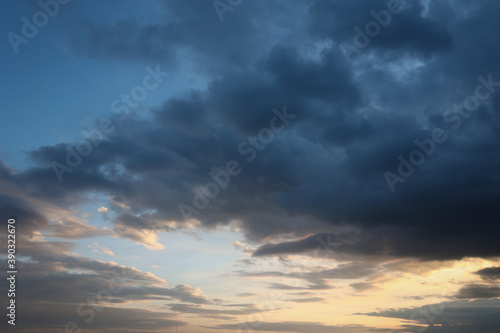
(251, 166)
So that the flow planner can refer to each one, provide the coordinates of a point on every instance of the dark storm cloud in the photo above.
(362, 286)
(385, 241)
(70, 229)
(124, 40)
(324, 171)
(314, 280)
(326, 81)
(58, 286)
(188, 30)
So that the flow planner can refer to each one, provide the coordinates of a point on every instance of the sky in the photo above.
(248, 166)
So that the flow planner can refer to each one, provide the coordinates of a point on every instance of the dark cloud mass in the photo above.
(316, 188)
(19, 209)
(325, 169)
(479, 291)
(492, 273)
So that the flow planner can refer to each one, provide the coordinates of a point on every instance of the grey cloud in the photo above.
(456, 316)
(488, 273)
(71, 229)
(214, 313)
(307, 300)
(320, 176)
(52, 316)
(325, 170)
(295, 326)
(478, 291)
(26, 216)
(186, 30)
(408, 31)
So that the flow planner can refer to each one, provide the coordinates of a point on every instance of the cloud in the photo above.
(307, 300)
(408, 31)
(148, 238)
(294, 326)
(102, 210)
(25, 214)
(362, 286)
(456, 316)
(57, 282)
(249, 250)
(110, 318)
(319, 242)
(71, 229)
(478, 291)
(489, 273)
(382, 241)
(96, 247)
(214, 313)
(237, 244)
(313, 279)
(184, 30)
(323, 173)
